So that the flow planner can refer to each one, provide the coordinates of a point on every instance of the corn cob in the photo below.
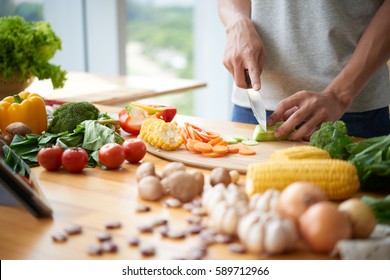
(300, 152)
(338, 178)
(161, 134)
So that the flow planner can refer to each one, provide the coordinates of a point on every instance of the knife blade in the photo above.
(257, 104)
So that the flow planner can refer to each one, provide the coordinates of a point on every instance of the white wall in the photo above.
(214, 102)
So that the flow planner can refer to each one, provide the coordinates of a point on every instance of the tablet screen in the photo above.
(16, 189)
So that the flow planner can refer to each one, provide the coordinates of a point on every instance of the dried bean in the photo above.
(113, 225)
(73, 229)
(164, 231)
(172, 203)
(188, 206)
(194, 220)
(94, 250)
(198, 211)
(103, 236)
(237, 248)
(145, 228)
(147, 250)
(176, 234)
(160, 222)
(109, 247)
(133, 240)
(140, 208)
(59, 237)
(195, 228)
(223, 238)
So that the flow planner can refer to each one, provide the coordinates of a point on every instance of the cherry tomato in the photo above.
(50, 157)
(74, 159)
(135, 150)
(111, 155)
(131, 119)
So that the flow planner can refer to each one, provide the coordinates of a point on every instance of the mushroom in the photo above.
(199, 178)
(150, 188)
(220, 175)
(172, 167)
(234, 176)
(182, 185)
(145, 169)
(18, 128)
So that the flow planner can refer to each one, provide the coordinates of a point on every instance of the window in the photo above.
(31, 10)
(160, 44)
(165, 38)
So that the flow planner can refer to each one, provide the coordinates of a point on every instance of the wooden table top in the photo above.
(96, 197)
(112, 90)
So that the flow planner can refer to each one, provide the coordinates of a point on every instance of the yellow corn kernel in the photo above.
(161, 134)
(338, 178)
(300, 152)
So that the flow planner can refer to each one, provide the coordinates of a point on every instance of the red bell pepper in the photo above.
(131, 119)
(161, 111)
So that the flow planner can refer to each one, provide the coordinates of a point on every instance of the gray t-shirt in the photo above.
(307, 43)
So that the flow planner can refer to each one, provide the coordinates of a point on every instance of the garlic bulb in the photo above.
(225, 207)
(266, 232)
(266, 201)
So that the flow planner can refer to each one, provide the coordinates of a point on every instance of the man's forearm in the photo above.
(233, 11)
(371, 53)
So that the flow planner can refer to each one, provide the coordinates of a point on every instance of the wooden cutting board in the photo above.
(230, 161)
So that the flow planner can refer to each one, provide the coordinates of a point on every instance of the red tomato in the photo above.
(50, 157)
(111, 155)
(131, 119)
(74, 159)
(135, 150)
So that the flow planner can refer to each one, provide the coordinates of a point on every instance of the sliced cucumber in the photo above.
(230, 140)
(250, 142)
(260, 135)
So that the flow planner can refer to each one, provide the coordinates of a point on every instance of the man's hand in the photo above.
(308, 109)
(244, 50)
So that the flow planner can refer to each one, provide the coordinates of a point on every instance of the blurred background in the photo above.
(155, 38)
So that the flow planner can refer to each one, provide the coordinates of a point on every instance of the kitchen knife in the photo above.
(257, 104)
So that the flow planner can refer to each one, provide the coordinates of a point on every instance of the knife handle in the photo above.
(247, 78)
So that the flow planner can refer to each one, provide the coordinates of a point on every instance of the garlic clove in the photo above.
(255, 238)
(230, 221)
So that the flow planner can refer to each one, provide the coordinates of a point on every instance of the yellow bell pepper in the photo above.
(28, 108)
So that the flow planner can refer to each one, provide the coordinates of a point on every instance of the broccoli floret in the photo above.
(69, 115)
(332, 137)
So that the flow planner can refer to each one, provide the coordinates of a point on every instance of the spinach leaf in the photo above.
(371, 158)
(15, 162)
(380, 206)
(96, 135)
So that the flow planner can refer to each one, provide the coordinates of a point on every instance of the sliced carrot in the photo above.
(220, 149)
(190, 145)
(222, 143)
(203, 147)
(184, 136)
(202, 136)
(245, 151)
(233, 149)
(212, 154)
(215, 141)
